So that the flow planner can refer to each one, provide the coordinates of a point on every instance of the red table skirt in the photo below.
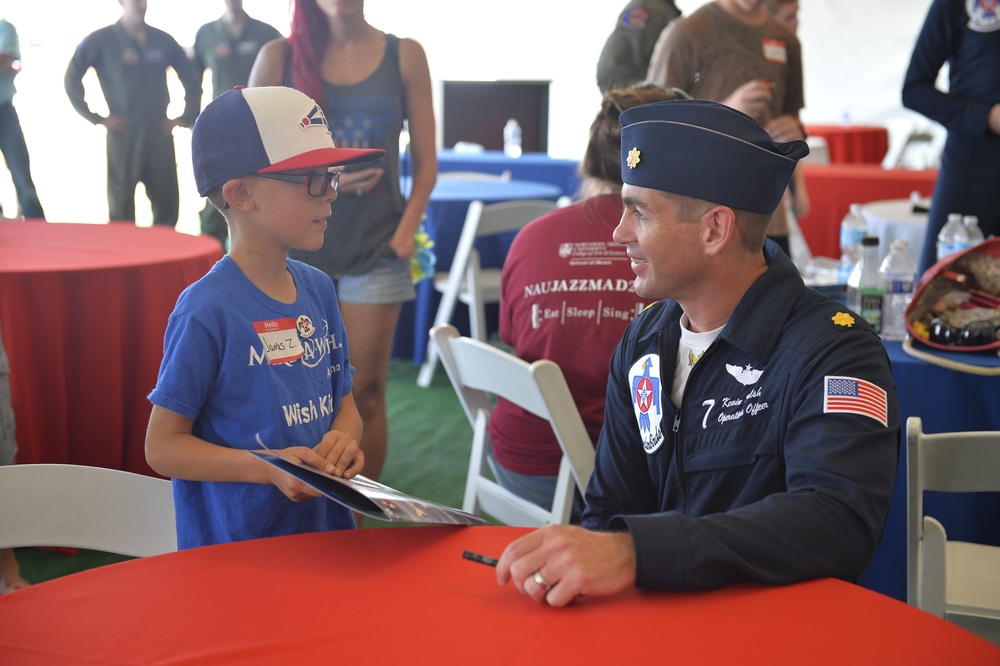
(833, 188)
(406, 596)
(83, 309)
(853, 144)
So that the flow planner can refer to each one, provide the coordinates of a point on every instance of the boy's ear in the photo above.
(236, 194)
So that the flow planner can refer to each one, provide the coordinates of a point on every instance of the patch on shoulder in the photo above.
(646, 397)
(984, 15)
(635, 18)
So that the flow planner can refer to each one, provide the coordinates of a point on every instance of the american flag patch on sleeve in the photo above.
(849, 395)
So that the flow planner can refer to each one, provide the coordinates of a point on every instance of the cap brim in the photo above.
(325, 157)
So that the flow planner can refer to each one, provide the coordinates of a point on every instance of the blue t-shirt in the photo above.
(239, 363)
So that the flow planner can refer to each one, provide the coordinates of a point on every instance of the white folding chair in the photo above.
(920, 149)
(955, 580)
(479, 371)
(467, 281)
(76, 506)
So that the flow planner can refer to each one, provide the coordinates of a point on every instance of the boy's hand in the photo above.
(339, 454)
(290, 486)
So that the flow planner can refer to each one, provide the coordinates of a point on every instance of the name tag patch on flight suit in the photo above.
(644, 380)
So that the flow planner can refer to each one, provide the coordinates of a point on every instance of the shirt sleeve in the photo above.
(190, 79)
(672, 61)
(935, 44)
(82, 60)
(621, 483)
(185, 380)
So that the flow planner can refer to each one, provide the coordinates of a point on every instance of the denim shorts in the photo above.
(536, 489)
(387, 282)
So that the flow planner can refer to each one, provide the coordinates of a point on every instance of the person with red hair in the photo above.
(368, 83)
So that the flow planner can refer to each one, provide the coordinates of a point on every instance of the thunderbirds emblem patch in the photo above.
(647, 395)
(984, 15)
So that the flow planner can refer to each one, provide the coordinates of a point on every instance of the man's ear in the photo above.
(718, 229)
(236, 194)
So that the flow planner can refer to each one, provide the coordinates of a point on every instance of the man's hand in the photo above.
(752, 98)
(785, 128)
(569, 561)
(115, 123)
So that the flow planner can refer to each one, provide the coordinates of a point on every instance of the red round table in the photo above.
(853, 144)
(406, 596)
(834, 187)
(83, 309)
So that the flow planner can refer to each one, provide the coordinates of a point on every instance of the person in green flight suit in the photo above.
(228, 47)
(625, 56)
(131, 60)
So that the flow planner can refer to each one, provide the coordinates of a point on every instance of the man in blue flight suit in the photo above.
(768, 451)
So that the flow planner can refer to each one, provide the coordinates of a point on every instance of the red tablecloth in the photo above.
(833, 188)
(853, 144)
(83, 308)
(406, 596)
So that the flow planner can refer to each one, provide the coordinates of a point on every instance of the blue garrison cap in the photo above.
(707, 151)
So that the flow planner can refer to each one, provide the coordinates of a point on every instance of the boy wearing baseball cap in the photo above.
(257, 346)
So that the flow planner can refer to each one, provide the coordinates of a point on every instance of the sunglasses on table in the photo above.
(317, 184)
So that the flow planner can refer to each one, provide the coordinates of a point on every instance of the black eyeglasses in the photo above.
(317, 184)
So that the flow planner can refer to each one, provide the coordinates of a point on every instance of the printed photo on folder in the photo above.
(369, 497)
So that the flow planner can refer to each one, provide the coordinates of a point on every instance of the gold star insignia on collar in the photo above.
(633, 158)
(843, 319)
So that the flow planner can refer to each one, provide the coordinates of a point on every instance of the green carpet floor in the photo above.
(429, 439)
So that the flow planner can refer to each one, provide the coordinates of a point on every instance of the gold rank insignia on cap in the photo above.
(843, 319)
(633, 158)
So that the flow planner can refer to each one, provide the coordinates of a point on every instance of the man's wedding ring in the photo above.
(540, 580)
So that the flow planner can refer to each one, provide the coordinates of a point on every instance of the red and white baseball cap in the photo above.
(268, 129)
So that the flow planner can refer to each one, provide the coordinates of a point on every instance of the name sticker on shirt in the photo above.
(280, 339)
(644, 380)
(775, 51)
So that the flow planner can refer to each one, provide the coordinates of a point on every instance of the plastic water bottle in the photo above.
(953, 236)
(512, 139)
(864, 286)
(899, 278)
(971, 224)
(852, 229)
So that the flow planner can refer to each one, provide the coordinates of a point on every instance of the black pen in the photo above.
(482, 559)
